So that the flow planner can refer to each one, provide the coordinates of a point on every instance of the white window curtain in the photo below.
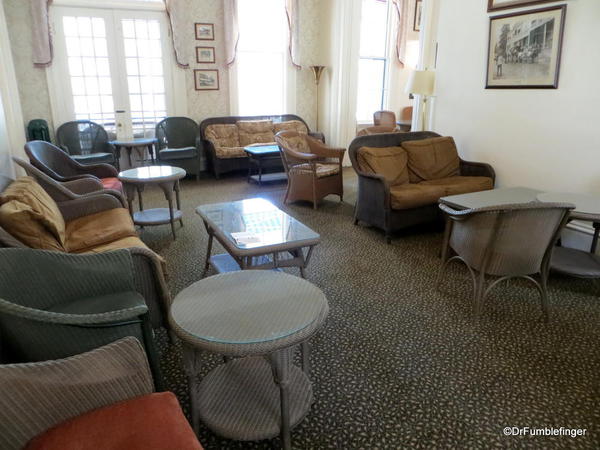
(40, 29)
(291, 10)
(401, 33)
(232, 31)
(177, 12)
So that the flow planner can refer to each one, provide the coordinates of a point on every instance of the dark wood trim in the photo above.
(204, 88)
(417, 27)
(211, 25)
(205, 62)
(554, 85)
(515, 4)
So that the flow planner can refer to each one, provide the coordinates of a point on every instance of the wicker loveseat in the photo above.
(29, 218)
(224, 138)
(401, 177)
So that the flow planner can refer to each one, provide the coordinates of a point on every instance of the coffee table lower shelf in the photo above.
(268, 177)
(155, 216)
(224, 262)
(240, 400)
(576, 263)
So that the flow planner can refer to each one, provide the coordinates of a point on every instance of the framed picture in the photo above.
(524, 49)
(205, 55)
(418, 15)
(205, 31)
(206, 79)
(495, 5)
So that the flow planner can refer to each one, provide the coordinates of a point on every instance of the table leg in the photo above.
(140, 189)
(595, 237)
(280, 362)
(118, 157)
(129, 150)
(250, 162)
(305, 347)
(189, 358)
(151, 153)
(168, 189)
(446, 240)
(177, 200)
(208, 250)
(130, 194)
(259, 162)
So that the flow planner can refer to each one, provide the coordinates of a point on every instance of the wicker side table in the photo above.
(254, 319)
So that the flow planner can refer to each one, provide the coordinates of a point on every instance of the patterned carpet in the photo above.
(399, 363)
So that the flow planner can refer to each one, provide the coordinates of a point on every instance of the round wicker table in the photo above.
(255, 319)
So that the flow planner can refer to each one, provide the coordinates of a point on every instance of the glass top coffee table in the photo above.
(264, 156)
(256, 235)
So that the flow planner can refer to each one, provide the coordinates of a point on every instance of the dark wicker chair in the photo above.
(219, 165)
(179, 144)
(313, 169)
(373, 205)
(508, 241)
(54, 305)
(87, 143)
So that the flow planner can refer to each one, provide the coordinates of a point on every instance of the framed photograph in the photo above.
(206, 79)
(495, 5)
(205, 31)
(205, 55)
(418, 15)
(524, 49)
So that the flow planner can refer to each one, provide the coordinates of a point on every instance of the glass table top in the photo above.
(584, 203)
(262, 149)
(247, 307)
(493, 197)
(263, 223)
(152, 173)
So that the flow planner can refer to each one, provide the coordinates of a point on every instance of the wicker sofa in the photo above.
(29, 218)
(224, 138)
(401, 177)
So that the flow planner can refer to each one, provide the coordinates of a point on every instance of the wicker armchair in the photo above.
(508, 241)
(179, 144)
(54, 305)
(96, 400)
(65, 191)
(313, 169)
(384, 119)
(87, 143)
(59, 165)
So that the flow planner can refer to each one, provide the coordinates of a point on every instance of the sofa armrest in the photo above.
(151, 281)
(375, 190)
(87, 205)
(317, 135)
(477, 169)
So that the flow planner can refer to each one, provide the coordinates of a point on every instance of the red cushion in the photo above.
(112, 183)
(149, 422)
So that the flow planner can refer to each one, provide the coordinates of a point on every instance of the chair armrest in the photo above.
(302, 156)
(477, 169)
(83, 186)
(324, 151)
(317, 135)
(88, 205)
(98, 170)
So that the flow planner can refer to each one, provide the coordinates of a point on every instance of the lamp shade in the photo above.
(420, 82)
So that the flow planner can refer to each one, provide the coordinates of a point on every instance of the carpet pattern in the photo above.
(400, 363)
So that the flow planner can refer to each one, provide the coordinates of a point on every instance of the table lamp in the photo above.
(421, 82)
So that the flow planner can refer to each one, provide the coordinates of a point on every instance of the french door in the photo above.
(111, 60)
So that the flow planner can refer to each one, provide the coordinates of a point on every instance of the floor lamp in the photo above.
(317, 71)
(421, 82)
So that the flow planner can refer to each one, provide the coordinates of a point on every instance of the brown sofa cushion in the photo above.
(42, 207)
(255, 131)
(461, 185)
(391, 162)
(88, 232)
(431, 159)
(230, 152)
(408, 196)
(223, 135)
(20, 221)
(290, 125)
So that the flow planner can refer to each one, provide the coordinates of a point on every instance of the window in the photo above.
(261, 61)
(373, 59)
(111, 60)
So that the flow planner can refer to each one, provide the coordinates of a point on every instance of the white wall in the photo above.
(544, 138)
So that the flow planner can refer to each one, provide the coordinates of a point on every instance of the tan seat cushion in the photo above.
(20, 221)
(223, 135)
(290, 125)
(408, 196)
(323, 169)
(230, 152)
(255, 131)
(461, 185)
(391, 162)
(42, 207)
(87, 232)
(431, 159)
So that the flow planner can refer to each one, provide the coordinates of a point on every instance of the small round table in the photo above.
(570, 261)
(130, 144)
(167, 178)
(254, 318)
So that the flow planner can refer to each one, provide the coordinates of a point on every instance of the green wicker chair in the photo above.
(54, 305)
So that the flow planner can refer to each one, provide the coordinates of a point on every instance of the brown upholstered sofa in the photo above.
(29, 217)
(401, 177)
(224, 138)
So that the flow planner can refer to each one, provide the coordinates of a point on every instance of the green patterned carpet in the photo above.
(399, 363)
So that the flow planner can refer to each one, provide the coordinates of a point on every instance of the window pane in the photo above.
(370, 88)
(373, 28)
